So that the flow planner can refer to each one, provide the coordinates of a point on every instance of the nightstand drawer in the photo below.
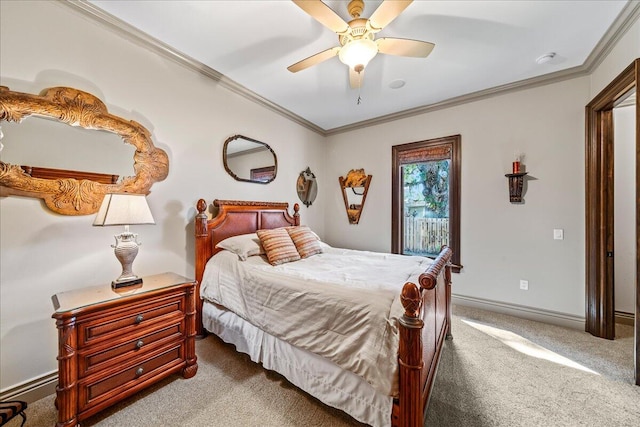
(129, 318)
(92, 392)
(104, 357)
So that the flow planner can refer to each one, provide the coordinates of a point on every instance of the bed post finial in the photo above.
(411, 299)
(410, 359)
(296, 213)
(201, 218)
(201, 205)
(203, 253)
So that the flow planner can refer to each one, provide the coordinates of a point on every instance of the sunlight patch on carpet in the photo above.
(527, 347)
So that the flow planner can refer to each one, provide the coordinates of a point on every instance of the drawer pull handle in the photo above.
(139, 344)
(139, 371)
(139, 318)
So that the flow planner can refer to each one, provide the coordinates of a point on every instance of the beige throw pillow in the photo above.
(243, 245)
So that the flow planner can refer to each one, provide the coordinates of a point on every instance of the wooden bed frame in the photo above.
(424, 326)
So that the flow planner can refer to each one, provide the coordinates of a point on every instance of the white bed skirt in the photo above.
(315, 375)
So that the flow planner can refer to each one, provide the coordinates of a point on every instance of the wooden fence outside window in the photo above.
(425, 236)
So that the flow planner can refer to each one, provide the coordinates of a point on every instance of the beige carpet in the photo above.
(498, 371)
(504, 371)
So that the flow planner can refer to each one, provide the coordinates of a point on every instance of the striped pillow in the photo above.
(278, 246)
(306, 241)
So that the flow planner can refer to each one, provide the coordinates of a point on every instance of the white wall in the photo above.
(624, 119)
(501, 243)
(45, 44)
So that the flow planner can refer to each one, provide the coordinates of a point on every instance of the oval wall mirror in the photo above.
(249, 160)
(307, 187)
(74, 188)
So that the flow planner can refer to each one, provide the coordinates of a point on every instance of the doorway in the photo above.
(624, 118)
(599, 195)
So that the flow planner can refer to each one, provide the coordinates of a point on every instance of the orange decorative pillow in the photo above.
(278, 246)
(306, 241)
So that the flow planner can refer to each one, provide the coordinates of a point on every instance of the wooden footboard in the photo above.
(424, 326)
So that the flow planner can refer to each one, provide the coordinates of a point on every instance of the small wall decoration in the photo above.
(307, 187)
(516, 180)
(354, 192)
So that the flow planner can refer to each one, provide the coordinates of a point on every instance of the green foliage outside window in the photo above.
(426, 189)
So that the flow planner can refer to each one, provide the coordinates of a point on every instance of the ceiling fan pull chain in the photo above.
(359, 87)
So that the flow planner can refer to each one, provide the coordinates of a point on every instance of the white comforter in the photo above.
(342, 304)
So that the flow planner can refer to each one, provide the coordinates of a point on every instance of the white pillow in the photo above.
(243, 245)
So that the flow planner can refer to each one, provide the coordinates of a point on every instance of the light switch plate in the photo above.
(558, 234)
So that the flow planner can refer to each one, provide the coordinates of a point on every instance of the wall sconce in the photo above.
(307, 186)
(516, 181)
(354, 192)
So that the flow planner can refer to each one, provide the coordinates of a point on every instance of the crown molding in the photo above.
(143, 39)
(532, 82)
(627, 17)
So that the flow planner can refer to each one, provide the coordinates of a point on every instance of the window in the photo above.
(426, 197)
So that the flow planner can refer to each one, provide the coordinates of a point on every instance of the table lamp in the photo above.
(124, 209)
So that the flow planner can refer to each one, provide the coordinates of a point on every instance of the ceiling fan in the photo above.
(358, 44)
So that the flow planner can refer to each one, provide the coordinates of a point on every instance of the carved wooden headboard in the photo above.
(234, 218)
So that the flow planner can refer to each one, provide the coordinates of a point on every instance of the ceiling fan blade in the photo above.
(405, 47)
(323, 14)
(314, 59)
(355, 78)
(387, 12)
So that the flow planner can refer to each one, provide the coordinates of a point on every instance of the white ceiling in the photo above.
(480, 46)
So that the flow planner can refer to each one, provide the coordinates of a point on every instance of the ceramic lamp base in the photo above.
(126, 249)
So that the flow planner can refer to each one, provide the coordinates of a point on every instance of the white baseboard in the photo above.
(530, 313)
(32, 390)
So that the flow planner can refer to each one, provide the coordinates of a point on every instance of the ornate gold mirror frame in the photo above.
(72, 192)
(357, 182)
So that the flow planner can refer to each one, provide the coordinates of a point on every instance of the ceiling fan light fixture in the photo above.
(358, 53)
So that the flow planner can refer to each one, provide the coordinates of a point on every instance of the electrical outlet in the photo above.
(524, 285)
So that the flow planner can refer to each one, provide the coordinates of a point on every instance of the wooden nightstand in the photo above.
(114, 344)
